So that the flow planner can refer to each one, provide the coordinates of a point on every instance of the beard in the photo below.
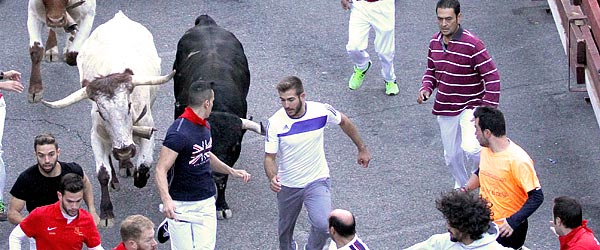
(72, 212)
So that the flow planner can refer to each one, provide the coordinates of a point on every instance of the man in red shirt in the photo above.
(571, 229)
(63, 225)
(137, 233)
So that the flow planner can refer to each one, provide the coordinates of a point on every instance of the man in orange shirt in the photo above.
(506, 176)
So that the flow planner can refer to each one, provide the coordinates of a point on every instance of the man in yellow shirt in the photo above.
(506, 176)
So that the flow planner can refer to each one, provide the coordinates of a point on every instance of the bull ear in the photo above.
(151, 80)
(70, 99)
(128, 71)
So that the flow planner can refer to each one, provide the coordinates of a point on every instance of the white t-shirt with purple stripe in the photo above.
(298, 142)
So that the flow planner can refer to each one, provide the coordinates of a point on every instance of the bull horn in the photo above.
(253, 126)
(70, 99)
(151, 80)
(143, 131)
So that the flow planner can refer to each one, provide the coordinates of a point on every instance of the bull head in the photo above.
(112, 96)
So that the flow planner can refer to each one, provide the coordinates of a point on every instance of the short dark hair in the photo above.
(568, 210)
(133, 225)
(290, 82)
(44, 139)
(448, 4)
(71, 182)
(465, 211)
(199, 92)
(491, 119)
(343, 229)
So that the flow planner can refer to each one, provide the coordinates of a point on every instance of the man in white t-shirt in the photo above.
(301, 177)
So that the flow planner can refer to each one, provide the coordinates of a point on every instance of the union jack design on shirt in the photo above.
(200, 153)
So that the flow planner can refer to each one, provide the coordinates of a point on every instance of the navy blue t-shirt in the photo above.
(190, 178)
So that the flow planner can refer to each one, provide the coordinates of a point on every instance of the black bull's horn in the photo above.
(253, 126)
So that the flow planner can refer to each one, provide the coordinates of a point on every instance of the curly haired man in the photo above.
(468, 221)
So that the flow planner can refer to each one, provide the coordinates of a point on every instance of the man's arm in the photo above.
(487, 70)
(271, 171)
(364, 156)
(473, 181)
(16, 238)
(166, 159)
(88, 197)
(535, 198)
(219, 166)
(15, 206)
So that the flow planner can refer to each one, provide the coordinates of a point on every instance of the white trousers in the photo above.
(200, 234)
(380, 16)
(2, 167)
(461, 148)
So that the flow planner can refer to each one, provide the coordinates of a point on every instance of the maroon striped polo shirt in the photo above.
(463, 73)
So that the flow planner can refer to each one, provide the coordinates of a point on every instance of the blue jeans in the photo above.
(316, 196)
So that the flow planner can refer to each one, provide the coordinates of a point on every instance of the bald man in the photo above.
(342, 229)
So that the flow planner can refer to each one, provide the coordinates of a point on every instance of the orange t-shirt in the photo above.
(505, 178)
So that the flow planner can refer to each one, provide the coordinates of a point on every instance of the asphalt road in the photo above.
(393, 200)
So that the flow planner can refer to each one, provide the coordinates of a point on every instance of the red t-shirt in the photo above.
(121, 246)
(50, 229)
(580, 238)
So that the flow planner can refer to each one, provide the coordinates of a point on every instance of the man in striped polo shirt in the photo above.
(465, 76)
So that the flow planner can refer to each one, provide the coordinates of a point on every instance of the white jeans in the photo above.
(380, 16)
(461, 148)
(2, 167)
(201, 234)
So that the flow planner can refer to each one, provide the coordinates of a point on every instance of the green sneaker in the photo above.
(3, 216)
(356, 80)
(391, 88)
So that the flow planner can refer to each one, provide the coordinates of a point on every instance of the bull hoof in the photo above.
(107, 223)
(51, 55)
(224, 214)
(115, 186)
(71, 58)
(140, 177)
(35, 97)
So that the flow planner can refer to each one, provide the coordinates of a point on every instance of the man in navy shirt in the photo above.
(184, 173)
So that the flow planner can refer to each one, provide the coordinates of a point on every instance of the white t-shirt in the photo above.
(299, 143)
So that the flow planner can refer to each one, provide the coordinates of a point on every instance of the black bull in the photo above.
(211, 53)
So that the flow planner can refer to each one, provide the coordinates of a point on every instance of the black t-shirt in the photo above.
(38, 190)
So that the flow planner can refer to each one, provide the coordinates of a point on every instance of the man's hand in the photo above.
(96, 217)
(346, 4)
(12, 75)
(242, 174)
(364, 157)
(423, 96)
(275, 184)
(12, 85)
(505, 229)
(169, 209)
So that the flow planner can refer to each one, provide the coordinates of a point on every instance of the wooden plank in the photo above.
(591, 76)
(592, 10)
(577, 54)
(592, 63)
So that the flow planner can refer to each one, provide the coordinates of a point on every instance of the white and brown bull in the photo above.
(71, 18)
(120, 71)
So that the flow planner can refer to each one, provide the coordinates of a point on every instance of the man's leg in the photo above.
(200, 234)
(3, 204)
(453, 153)
(289, 203)
(469, 144)
(383, 21)
(358, 38)
(517, 239)
(317, 199)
